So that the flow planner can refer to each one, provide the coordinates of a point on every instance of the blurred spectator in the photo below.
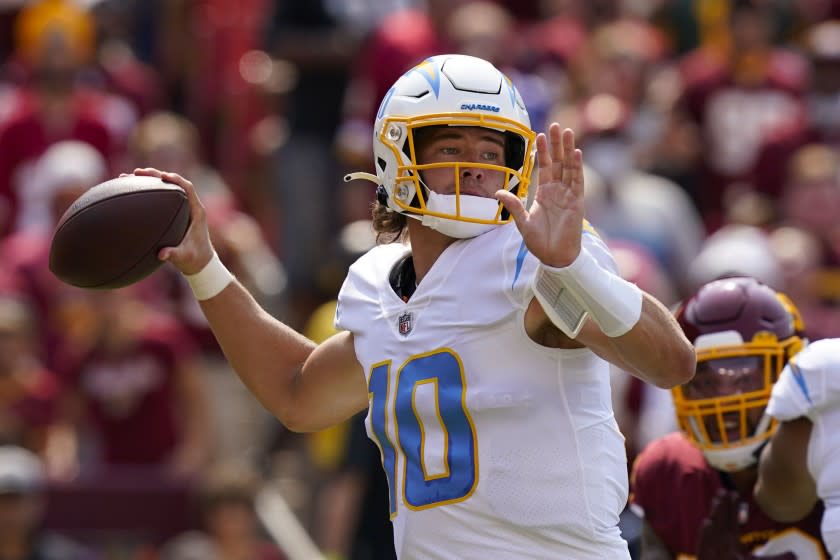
(65, 169)
(139, 391)
(809, 282)
(54, 43)
(321, 41)
(30, 393)
(632, 204)
(230, 528)
(215, 65)
(62, 174)
(822, 44)
(737, 101)
(692, 24)
(736, 250)
(22, 503)
(555, 39)
(811, 195)
(170, 141)
(819, 122)
(619, 59)
(121, 70)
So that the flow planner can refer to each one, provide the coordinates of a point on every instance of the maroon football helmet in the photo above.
(744, 332)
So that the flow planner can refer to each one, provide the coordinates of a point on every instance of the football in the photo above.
(110, 236)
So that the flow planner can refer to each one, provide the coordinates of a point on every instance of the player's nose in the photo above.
(472, 172)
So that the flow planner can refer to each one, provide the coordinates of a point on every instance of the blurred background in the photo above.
(710, 131)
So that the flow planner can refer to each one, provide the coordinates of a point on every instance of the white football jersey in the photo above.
(810, 386)
(494, 446)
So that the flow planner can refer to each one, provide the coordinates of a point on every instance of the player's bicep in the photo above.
(785, 489)
(652, 546)
(331, 386)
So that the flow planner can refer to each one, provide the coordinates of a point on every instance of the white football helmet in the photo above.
(450, 90)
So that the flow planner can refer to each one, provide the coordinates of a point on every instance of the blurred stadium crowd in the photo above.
(710, 129)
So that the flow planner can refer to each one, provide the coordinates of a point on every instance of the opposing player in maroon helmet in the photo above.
(694, 487)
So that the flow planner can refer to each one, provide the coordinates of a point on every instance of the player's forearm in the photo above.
(265, 353)
(654, 350)
(785, 489)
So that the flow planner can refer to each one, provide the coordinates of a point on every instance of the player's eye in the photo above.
(491, 156)
(449, 150)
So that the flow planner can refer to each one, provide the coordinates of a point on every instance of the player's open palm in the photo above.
(552, 226)
(195, 250)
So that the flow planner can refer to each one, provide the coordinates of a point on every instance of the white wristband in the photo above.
(210, 280)
(584, 287)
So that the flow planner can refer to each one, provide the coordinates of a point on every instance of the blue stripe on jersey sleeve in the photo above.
(520, 260)
(800, 380)
(523, 250)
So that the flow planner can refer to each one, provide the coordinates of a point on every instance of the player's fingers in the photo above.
(543, 160)
(166, 253)
(574, 178)
(558, 153)
(170, 177)
(196, 206)
(514, 205)
(567, 140)
(148, 172)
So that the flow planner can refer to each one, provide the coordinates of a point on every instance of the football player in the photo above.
(799, 466)
(480, 349)
(694, 487)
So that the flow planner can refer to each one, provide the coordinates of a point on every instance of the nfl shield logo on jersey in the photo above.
(404, 323)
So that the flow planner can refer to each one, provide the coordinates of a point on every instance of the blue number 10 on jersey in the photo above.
(444, 371)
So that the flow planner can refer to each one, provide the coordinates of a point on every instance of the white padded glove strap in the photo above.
(210, 280)
(568, 294)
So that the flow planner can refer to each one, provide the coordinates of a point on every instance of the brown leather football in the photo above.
(111, 235)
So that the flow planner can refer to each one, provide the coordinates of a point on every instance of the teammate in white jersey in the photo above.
(801, 464)
(478, 346)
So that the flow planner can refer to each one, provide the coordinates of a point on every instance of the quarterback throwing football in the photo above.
(478, 339)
